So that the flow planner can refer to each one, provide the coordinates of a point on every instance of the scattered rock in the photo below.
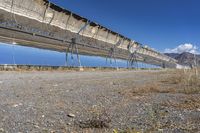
(36, 126)
(112, 83)
(160, 130)
(16, 105)
(71, 115)
(1, 130)
(69, 124)
(55, 85)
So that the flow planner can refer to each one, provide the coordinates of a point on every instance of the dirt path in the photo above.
(57, 101)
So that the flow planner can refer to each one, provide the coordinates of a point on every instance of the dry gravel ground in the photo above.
(98, 101)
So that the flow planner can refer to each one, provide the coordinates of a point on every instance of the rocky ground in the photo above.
(99, 101)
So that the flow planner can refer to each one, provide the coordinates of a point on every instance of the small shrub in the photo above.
(98, 118)
(95, 122)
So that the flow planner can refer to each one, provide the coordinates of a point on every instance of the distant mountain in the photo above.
(173, 55)
(185, 58)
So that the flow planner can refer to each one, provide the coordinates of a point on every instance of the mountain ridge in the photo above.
(185, 58)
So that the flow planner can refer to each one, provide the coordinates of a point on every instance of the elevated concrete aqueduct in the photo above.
(39, 23)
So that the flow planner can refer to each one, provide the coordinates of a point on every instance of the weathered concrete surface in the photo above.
(59, 101)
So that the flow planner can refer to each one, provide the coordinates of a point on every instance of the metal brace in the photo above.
(68, 20)
(111, 52)
(47, 6)
(132, 57)
(73, 45)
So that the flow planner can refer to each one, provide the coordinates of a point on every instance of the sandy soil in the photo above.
(96, 101)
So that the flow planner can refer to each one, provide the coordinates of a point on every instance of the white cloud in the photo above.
(187, 47)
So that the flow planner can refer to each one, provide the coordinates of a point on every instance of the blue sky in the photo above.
(161, 24)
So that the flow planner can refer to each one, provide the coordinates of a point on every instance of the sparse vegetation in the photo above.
(186, 81)
(176, 81)
(95, 122)
(98, 118)
(123, 102)
(190, 103)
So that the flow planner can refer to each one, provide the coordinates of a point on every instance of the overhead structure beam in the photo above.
(35, 15)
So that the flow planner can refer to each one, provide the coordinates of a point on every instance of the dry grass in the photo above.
(153, 88)
(189, 103)
(148, 88)
(175, 77)
(172, 81)
(186, 81)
